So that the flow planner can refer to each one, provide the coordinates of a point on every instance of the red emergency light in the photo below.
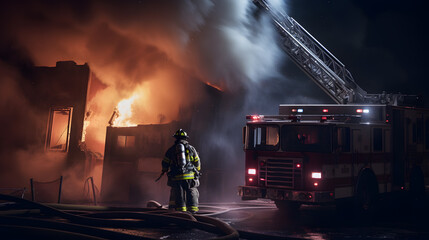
(300, 110)
(325, 110)
(255, 117)
(360, 110)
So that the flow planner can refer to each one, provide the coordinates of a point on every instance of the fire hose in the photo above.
(90, 226)
(89, 222)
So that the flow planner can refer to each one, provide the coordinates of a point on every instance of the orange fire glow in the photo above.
(125, 112)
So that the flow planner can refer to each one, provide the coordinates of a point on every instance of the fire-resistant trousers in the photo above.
(186, 194)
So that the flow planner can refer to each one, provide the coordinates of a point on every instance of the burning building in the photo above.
(200, 64)
(62, 96)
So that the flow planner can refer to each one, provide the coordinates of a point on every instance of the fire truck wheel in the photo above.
(366, 196)
(287, 206)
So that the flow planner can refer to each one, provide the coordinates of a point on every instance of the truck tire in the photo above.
(366, 195)
(288, 207)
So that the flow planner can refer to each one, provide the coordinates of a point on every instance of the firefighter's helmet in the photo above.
(180, 134)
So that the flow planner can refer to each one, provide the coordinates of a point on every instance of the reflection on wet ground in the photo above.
(324, 222)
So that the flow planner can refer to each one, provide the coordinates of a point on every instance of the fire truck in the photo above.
(361, 148)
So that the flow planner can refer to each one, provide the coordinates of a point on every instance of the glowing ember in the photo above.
(124, 113)
(214, 86)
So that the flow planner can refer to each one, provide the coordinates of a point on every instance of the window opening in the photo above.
(58, 133)
(306, 138)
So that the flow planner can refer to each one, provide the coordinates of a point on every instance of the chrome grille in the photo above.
(279, 173)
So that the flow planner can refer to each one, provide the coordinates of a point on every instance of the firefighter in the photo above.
(183, 164)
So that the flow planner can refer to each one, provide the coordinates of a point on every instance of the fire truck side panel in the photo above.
(364, 154)
(398, 163)
(410, 144)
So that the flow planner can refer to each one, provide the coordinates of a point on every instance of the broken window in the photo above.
(58, 133)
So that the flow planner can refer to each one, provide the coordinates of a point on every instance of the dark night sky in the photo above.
(381, 42)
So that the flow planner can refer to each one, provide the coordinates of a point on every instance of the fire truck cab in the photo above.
(361, 147)
(318, 154)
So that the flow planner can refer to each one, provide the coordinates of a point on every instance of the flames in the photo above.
(123, 113)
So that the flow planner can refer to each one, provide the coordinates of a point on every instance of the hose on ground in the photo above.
(262, 236)
(100, 216)
(41, 224)
(138, 219)
(26, 232)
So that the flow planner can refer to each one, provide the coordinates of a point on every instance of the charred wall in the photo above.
(49, 94)
(62, 86)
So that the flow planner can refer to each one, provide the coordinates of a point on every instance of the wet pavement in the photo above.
(250, 219)
(324, 222)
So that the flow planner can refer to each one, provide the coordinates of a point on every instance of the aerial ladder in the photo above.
(329, 73)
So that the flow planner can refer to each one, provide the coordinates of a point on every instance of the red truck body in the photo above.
(317, 154)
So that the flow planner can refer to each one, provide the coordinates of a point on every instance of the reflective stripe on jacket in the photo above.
(184, 176)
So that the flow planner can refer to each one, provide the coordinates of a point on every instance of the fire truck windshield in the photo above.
(294, 138)
(263, 137)
(306, 138)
